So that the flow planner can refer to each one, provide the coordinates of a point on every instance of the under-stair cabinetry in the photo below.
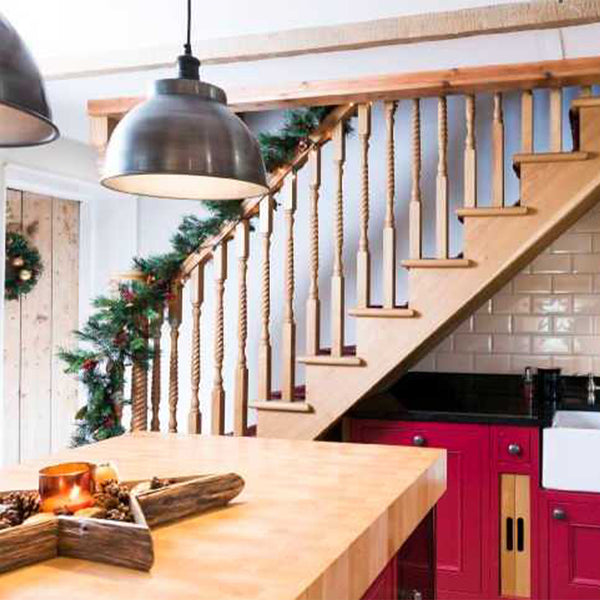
(492, 471)
(571, 526)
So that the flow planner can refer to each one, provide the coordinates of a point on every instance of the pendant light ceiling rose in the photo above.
(25, 117)
(183, 142)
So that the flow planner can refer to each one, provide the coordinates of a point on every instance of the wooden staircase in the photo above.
(556, 189)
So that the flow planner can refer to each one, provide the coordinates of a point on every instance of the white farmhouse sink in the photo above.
(571, 452)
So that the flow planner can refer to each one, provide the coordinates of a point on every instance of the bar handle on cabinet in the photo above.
(520, 534)
(559, 514)
(418, 440)
(509, 534)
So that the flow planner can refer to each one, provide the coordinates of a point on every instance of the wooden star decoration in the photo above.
(45, 535)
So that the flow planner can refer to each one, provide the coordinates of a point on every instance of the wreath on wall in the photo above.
(23, 266)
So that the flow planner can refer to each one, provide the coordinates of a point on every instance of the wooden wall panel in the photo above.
(40, 399)
(12, 356)
(65, 315)
(36, 335)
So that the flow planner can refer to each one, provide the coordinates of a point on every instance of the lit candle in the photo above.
(68, 486)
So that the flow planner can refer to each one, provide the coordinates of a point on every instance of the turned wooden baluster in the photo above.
(156, 371)
(389, 226)
(498, 152)
(363, 258)
(289, 192)
(415, 218)
(313, 304)
(175, 315)
(442, 180)
(218, 392)
(139, 389)
(470, 155)
(197, 298)
(556, 124)
(264, 351)
(337, 279)
(527, 121)
(240, 409)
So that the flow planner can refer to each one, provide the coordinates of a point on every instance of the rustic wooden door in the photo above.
(39, 398)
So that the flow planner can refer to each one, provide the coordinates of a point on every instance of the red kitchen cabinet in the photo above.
(462, 522)
(571, 526)
(385, 587)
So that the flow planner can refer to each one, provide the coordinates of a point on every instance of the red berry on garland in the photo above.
(89, 364)
(127, 295)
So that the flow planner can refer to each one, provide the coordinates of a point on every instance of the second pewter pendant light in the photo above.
(183, 142)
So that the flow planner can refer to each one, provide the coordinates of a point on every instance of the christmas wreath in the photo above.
(23, 266)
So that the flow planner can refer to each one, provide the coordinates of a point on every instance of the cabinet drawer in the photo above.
(514, 445)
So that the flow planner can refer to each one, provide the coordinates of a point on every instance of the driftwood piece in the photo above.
(32, 542)
(121, 544)
(189, 497)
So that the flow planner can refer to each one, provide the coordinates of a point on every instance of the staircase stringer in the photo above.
(558, 195)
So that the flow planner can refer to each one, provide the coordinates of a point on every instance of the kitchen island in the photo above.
(316, 520)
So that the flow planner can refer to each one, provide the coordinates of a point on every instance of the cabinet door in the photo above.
(461, 532)
(385, 587)
(574, 545)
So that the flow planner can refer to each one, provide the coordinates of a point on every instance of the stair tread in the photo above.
(492, 211)
(587, 101)
(437, 263)
(348, 360)
(380, 311)
(282, 405)
(545, 157)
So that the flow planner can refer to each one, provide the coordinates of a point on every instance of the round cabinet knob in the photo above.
(419, 440)
(559, 514)
(514, 449)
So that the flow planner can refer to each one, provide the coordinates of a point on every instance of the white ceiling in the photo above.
(58, 28)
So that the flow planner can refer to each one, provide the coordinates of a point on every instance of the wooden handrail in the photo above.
(468, 80)
(250, 207)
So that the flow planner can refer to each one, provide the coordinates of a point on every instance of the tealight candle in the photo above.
(68, 486)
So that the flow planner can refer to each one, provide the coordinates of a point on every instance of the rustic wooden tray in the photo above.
(46, 536)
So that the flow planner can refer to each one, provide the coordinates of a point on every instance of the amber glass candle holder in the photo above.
(67, 487)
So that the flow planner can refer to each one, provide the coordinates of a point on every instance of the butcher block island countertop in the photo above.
(316, 520)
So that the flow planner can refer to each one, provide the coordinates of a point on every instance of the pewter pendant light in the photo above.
(25, 118)
(183, 142)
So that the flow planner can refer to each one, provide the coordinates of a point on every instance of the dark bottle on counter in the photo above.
(549, 390)
(527, 407)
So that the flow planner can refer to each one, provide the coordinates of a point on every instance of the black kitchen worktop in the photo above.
(454, 397)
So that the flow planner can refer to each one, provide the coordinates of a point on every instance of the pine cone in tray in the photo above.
(17, 507)
(114, 498)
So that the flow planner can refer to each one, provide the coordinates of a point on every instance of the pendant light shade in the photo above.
(25, 118)
(183, 142)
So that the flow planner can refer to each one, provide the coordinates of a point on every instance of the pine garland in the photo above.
(114, 336)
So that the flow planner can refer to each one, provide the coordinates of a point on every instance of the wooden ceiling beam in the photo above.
(579, 71)
(407, 29)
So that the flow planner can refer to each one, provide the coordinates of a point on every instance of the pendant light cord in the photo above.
(189, 65)
(188, 45)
